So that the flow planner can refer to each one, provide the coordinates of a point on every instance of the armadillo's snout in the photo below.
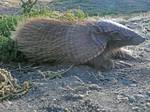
(138, 39)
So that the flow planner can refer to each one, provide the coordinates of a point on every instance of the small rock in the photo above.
(148, 105)
(148, 100)
(139, 96)
(122, 98)
(131, 99)
(148, 93)
(94, 87)
(135, 109)
(133, 85)
(101, 110)
(114, 81)
(73, 97)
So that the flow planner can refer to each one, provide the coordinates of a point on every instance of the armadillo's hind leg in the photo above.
(123, 54)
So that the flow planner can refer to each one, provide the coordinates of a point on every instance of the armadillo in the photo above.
(84, 42)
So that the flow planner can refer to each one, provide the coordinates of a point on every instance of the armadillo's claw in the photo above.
(121, 65)
(123, 54)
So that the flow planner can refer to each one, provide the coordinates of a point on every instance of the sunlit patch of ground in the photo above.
(84, 89)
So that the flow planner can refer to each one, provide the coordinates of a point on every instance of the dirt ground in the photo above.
(84, 89)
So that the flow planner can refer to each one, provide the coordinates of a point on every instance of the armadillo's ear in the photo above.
(98, 37)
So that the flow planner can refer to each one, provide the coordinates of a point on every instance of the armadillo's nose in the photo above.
(138, 40)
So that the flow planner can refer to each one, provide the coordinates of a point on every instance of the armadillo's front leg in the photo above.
(101, 63)
(104, 64)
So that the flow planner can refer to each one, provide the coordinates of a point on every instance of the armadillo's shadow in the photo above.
(84, 73)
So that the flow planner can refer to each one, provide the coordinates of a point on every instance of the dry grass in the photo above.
(9, 88)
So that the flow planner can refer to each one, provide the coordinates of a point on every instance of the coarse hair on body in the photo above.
(43, 39)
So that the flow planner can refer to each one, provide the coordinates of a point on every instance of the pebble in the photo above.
(148, 105)
(135, 109)
(122, 98)
(148, 93)
(133, 85)
(94, 87)
(139, 96)
(131, 99)
(148, 100)
(73, 97)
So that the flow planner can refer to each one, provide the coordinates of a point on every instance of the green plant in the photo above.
(27, 5)
(8, 50)
(73, 15)
(7, 24)
(80, 14)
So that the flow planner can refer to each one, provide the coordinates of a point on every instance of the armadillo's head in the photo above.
(119, 34)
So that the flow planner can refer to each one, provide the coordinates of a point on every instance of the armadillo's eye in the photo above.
(128, 36)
